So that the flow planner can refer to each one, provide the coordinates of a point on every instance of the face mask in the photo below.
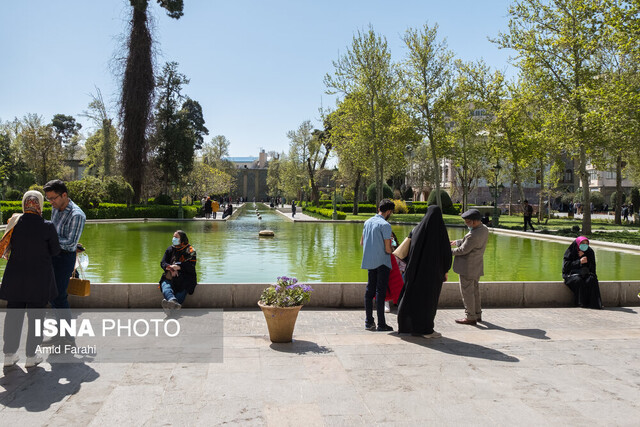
(584, 247)
(470, 228)
(175, 241)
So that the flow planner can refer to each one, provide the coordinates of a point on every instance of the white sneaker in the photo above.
(433, 334)
(10, 359)
(174, 304)
(387, 307)
(33, 361)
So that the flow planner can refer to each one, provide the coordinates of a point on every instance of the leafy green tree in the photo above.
(103, 150)
(178, 130)
(137, 91)
(100, 151)
(559, 43)
(366, 70)
(274, 178)
(66, 131)
(426, 75)
(206, 180)
(214, 154)
(42, 152)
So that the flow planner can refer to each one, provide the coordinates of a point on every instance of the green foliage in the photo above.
(87, 193)
(635, 199)
(163, 199)
(595, 197)
(37, 187)
(8, 210)
(13, 195)
(117, 190)
(400, 207)
(286, 292)
(614, 198)
(408, 193)
(325, 212)
(121, 211)
(387, 193)
(447, 204)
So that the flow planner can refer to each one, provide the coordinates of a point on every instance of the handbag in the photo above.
(79, 287)
(402, 251)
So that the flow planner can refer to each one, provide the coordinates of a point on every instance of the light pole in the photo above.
(180, 213)
(496, 190)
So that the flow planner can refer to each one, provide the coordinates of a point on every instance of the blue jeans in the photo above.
(170, 294)
(63, 264)
(376, 287)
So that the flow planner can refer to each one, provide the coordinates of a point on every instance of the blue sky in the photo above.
(256, 67)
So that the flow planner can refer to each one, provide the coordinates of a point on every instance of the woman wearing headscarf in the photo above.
(579, 273)
(179, 277)
(28, 281)
(429, 262)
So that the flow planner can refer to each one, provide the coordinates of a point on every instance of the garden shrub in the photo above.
(387, 193)
(325, 212)
(13, 195)
(401, 207)
(447, 204)
(117, 190)
(163, 199)
(86, 193)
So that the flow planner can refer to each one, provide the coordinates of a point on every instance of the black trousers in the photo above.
(527, 220)
(586, 290)
(376, 287)
(13, 326)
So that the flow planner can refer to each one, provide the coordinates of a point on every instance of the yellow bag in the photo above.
(79, 287)
(402, 251)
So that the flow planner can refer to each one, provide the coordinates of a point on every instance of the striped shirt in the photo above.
(69, 223)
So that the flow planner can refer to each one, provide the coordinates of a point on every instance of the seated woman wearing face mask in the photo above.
(579, 273)
(179, 277)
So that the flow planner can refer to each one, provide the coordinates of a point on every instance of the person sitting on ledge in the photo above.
(579, 273)
(179, 277)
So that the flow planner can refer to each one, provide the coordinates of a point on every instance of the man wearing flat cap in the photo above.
(469, 264)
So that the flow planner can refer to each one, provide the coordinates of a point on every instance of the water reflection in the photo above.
(232, 251)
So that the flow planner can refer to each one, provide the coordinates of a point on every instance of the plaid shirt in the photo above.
(69, 223)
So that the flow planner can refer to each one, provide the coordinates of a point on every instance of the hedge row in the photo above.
(115, 211)
(413, 208)
(325, 212)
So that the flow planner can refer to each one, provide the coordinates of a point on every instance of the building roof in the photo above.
(241, 159)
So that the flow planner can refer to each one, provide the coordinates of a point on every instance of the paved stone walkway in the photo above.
(552, 367)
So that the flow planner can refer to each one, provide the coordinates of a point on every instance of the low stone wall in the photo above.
(350, 295)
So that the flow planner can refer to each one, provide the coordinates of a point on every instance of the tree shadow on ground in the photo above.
(36, 389)
(531, 333)
(300, 347)
(460, 348)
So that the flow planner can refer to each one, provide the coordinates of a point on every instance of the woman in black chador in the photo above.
(429, 262)
(579, 273)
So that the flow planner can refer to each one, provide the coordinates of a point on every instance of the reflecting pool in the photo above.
(231, 251)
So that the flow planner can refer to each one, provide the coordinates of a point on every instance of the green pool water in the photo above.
(232, 252)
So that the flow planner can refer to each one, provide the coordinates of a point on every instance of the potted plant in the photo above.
(280, 304)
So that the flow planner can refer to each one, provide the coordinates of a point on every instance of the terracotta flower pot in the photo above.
(280, 321)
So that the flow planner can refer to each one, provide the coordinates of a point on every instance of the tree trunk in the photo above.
(618, 218)
(434, 158)
(586, 205)
(136, 100)
(540, 194)
(106, 146)
(356, 191)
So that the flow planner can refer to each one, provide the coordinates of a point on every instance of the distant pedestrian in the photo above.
(207, 208)
(469, 264)
(376, 243)
(527, 211)
(293, 209)
(625, 213)
(215, 207)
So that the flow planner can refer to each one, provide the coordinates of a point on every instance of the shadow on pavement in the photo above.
(622, 310)
(531, 333)
(460, 348)
(301, 347)
(37, 389)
